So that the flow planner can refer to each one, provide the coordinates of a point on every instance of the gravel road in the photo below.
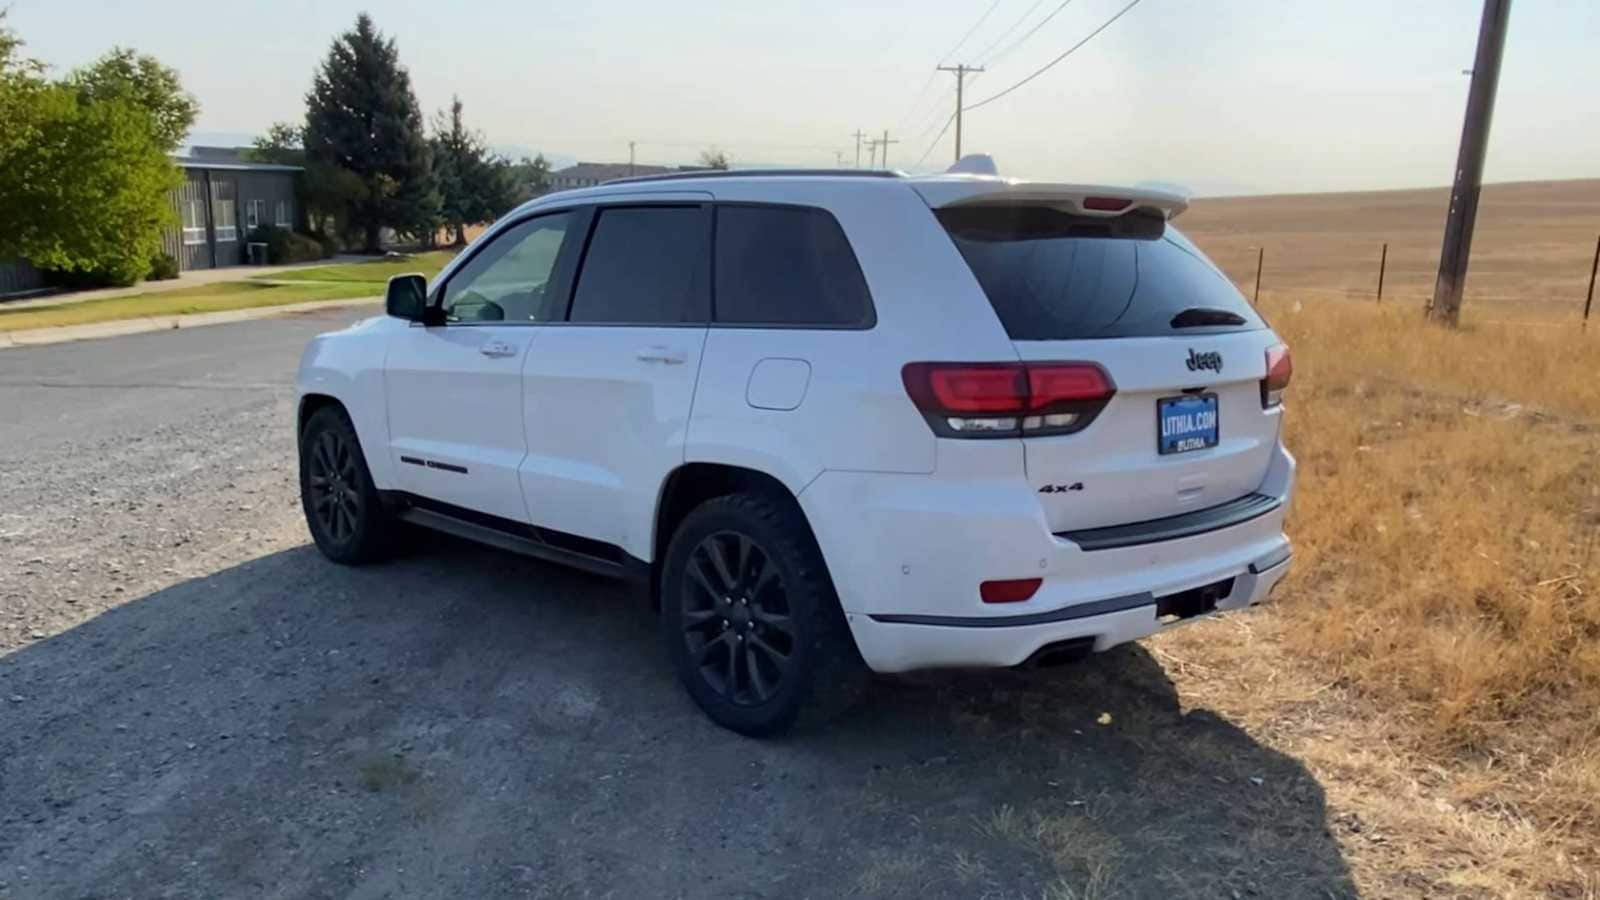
(193, 703)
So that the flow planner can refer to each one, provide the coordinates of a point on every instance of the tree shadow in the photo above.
(466, 723)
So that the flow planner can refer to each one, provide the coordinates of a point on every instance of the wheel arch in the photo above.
(692, 484)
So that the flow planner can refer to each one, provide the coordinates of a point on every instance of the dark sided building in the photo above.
(221, 199)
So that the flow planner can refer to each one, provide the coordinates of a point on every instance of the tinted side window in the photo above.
(787, 265)
(645, 264)
(506, 280)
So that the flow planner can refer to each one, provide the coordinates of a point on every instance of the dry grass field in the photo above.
(1531, 251)
(1434, 659)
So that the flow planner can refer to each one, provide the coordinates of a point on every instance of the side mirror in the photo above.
(407, 297)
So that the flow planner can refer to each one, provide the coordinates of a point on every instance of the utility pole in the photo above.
(1445, 307)
(884, 162)
(872, 153)
(630, 159)
(961, 76)
(838, 159)
(858, 136)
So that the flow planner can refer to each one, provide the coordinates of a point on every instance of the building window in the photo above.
(254, 212)
(280, 216)
(224, 214)
(194, 223)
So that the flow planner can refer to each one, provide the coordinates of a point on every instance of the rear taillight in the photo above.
(1280, 366)
(1007, 399)
(1106, 204)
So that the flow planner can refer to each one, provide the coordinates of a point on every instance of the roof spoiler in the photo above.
(963, 189)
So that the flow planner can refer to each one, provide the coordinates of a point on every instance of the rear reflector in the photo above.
(1007, 399)
(1106, 204)
(1280, 368)
(1015, 590)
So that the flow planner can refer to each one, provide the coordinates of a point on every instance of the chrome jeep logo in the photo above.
(1198, 361)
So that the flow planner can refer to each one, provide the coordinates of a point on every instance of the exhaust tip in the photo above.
(1059, 653)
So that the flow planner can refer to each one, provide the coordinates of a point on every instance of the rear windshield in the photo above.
(1055, 276)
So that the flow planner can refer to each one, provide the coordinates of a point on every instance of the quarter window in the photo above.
(787, 265)
(645, 265)
(507, 280)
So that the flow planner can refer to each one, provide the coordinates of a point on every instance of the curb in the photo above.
(35, 337)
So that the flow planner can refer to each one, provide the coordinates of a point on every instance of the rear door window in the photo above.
(1053, 275)
(787, 266)
(646, 265)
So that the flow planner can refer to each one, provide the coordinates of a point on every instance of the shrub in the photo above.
(285, 246)
(162, 267)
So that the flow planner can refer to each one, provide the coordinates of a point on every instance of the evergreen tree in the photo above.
(474, 185)
(361, 116)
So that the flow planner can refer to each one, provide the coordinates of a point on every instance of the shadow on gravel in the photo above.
(465, 723)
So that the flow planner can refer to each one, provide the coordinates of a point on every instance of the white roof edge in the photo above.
(958, 189)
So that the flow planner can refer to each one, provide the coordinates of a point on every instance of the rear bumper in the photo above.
(908, 552)
(894, 644)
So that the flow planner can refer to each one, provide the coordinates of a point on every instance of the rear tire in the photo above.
(751, 620)
(344, 511)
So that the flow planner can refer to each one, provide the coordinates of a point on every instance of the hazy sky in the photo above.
(1222, 95)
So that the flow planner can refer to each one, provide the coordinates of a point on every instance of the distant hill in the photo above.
(1534, 241)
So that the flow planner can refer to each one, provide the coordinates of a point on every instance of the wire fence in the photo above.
(1514, 286)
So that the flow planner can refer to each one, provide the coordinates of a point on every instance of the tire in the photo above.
(344, 511)
(745, 591)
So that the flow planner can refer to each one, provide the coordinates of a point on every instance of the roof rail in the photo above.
(759, 173)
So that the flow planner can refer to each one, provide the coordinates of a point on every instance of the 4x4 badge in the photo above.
(1211, 360)
(1061, 488)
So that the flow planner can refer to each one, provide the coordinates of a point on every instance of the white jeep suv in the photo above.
(835, 421)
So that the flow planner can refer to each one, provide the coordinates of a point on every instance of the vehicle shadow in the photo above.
(465, 723)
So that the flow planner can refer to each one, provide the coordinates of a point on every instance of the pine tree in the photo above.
(474, 185)
(361, 116)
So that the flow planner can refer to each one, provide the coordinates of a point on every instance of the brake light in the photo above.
(1014, 590)
(1280, 367)
(1007, 399)
(1106, 204)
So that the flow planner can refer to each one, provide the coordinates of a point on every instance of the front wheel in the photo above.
(344, 511)
(751, 620)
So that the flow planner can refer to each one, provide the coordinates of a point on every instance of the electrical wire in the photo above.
(1031, 32)
(947, 123)
(970, 31)
(1008, 32)
(1051, 64)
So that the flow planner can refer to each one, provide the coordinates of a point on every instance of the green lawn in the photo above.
(377, 271)
(337, 282)
(184, 301)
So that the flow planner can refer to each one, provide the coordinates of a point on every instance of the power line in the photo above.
(1007, 33)
(947, 123)
(1031, 32)
(1051, 64)
(916, 103)
(970, 31)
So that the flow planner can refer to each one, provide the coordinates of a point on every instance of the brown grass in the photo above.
(1531, 251)
(1435, 655)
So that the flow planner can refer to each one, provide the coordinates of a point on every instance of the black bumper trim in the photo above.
(1271, 562)
(1201, 521)
(1065, 614)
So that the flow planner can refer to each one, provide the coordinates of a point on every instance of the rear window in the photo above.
(1055, 276)
(787, 266)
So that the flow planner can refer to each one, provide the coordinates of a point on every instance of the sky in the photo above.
(1221, 96)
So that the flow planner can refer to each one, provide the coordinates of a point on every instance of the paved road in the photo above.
(194, 704)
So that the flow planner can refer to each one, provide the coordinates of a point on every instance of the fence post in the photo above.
(1383, 263)
(1261, 254)
(1593, 267)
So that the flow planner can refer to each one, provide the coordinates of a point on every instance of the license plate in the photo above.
(1186, 423)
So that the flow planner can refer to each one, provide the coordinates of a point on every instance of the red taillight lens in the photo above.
(1280, 368)
(1106, 204)
(1007, 399)
(1014, 590)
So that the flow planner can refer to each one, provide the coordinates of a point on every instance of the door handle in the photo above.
(665, 355)
(497, 348)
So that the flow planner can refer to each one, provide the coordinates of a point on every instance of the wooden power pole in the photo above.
(884, 161)
(1445, 307)
(961, 76)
